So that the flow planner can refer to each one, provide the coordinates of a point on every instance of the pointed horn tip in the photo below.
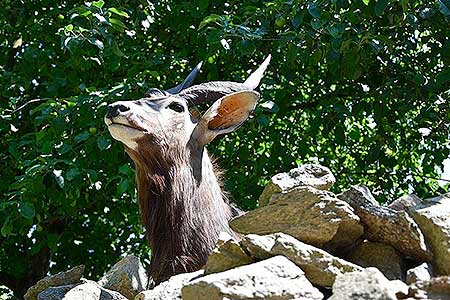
(199, 65)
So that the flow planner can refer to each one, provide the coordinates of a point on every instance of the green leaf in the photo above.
(98, 4)
(298, 19)
(366, 2)
(314, 10)
(443, 77)
(7, 227)
(209, 19)
(444, 7)
(103, 143)
(380, 7)
(117, 24)
(119, 12)
(122, 187)
(203, 4)
(81, 136)
(27, 210)
(72, 174)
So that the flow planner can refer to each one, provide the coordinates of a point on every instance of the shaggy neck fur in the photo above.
(182, 208)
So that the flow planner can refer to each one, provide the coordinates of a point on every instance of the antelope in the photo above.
(182, 206)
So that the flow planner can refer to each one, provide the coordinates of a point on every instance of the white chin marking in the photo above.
(126, 135)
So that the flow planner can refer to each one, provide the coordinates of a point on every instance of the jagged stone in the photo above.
(55, 292)
(128, 277)
(385, 225)
(369, 284)
(170, 289)
(384, 257)
(313, 175)
(320, 267)
(85, 291)
(405, 202)
(71, 276)
(275, 278)
(422, 272)
(313, 216)
(435, 288)
(227, 254)
(433, 218)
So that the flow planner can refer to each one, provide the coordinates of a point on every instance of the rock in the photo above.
(433, 218)
(369, 284)
(170, 289)
(227, 254)
(320, 267)
(422, 272)
(405, 202)
(127, 277)
(384, 257)
(71, 276)
(312, 175)
(85, 291)
(313, 216)
(435, 288)
(274, 278)
(55, 292)
(385, 225)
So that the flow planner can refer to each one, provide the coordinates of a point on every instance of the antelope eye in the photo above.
(176, 107)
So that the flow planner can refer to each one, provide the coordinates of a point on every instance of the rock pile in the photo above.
(303, 242)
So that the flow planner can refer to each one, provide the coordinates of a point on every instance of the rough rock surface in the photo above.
(384, 257)
(423, 272)
(385, 225)
(320, 267)
(405, 202)
(313, 216)
(227, 254)
(55, 292)
(369, 284)
(433, 218)
(274, 278)
(435, 288)
(127, 277)
(88, 289)
(85, 291)
(312, 175)
(170, 289)
(71, 276)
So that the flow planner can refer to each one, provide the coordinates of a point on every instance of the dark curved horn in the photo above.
(211, 91)
(187, 82)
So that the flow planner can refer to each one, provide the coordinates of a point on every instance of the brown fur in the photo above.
(183, 213)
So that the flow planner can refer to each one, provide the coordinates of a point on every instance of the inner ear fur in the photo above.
(224, 116)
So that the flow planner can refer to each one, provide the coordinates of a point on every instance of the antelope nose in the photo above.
(115, 109)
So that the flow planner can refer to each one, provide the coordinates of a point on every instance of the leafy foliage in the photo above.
(359, 86)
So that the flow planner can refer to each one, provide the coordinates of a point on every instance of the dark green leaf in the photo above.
(27, 210)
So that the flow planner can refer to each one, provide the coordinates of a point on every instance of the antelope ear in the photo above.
(224, 116)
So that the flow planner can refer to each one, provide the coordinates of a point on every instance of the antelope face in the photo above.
(153, 120)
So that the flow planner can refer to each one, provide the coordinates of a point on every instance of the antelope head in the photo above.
(161, 120)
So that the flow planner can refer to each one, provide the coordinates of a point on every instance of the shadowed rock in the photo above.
(384, 257)
(433, 218)
(320, 267)
(385, 225)
(310, 215)
(71, 276)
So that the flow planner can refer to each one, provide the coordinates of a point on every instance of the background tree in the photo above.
(359, 86)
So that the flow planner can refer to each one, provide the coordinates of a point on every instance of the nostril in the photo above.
(115, 109)
(123, 108)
